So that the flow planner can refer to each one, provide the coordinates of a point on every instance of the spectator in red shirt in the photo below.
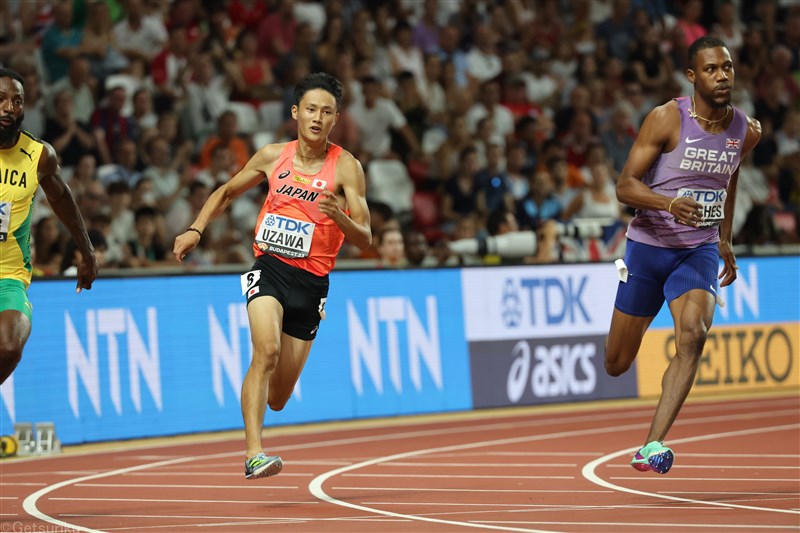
(276, 33)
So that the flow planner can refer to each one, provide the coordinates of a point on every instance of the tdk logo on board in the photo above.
(548, 301)
(512, 306)
(288, 224)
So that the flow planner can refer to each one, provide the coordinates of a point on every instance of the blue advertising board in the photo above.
(143, 357)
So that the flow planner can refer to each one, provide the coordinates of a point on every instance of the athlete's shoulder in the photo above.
(269, 153)
(348, 162)
(753, 133)
(667, 110)
(662, 124)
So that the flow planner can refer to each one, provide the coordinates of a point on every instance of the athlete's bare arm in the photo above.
(63, 204)
(659, 134)
(351, 182)
(256, 170)
(728, 274)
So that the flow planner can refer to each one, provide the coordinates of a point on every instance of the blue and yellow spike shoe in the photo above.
(654, 456)
(262, 465)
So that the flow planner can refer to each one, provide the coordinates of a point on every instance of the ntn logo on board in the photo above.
(380, 330)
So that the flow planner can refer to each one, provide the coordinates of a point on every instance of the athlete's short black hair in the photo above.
(8, 73)
(319, 80)
(706, 41)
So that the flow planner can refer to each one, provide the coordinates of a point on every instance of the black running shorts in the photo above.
(301, 293)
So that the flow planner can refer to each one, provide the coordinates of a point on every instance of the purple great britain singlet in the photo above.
(700, 166)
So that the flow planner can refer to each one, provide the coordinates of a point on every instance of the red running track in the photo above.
(554, 469)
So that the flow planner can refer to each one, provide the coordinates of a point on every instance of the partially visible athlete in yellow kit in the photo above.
(316, 200)
(26, 163)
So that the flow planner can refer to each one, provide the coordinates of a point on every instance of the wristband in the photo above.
(195, 230)
(669, 209)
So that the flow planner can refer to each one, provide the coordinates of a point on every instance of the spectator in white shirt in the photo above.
(376, 117)
(81, 85)
(489, 106)
(139, 37)
(207, 98)
(483, 63)
(403, 55)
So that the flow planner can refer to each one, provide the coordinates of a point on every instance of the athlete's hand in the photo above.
(687, 211)
(329, 206)
(728, 274)
(185, 243)
(87, 271)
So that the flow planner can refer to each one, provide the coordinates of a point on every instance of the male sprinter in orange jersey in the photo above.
(26, 163)
(316, 199)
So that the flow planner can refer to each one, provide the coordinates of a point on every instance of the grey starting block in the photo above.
(37, 439)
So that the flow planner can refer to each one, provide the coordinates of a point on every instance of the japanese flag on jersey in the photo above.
(318, 184)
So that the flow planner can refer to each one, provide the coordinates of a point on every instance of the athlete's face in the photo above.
(316, 114)
(12, 99)
(712, 76)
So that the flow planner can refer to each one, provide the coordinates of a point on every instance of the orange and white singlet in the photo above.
(290, 225)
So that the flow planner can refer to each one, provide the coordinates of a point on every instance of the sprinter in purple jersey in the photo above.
(681, 177)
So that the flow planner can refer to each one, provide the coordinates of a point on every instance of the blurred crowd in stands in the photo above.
(470, 117)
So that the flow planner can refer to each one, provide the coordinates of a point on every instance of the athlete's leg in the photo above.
(692, 313)
(294, 353)
(15, 328)
(266, 315)
(624, 339)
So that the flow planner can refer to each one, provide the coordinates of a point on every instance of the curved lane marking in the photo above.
(589, 469)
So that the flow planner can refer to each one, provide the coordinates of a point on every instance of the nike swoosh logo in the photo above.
(690, 141)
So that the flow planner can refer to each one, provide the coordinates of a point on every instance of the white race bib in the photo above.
(712, 202)
(5, 220)
(285, 236)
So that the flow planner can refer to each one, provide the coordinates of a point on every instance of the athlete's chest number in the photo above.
(5, 220)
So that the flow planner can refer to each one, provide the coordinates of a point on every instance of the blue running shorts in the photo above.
(656, 274)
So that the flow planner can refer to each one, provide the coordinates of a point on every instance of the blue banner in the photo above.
(161, 356)
(766, 290)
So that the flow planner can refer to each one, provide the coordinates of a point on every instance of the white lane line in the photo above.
(168, 500)
(316, 485)
(163, 486)
(720, 492)
(20, 484)
(513, 454)
(480, 464)
(428, 489)
(647, 525)
(726, 467)
(30, 503)
(590, 474)
(9, 497)
(162, 473)
(670, 478)
(451, 476)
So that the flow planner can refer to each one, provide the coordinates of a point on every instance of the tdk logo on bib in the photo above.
(548, 301)
(705, 197)
(288, 224)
